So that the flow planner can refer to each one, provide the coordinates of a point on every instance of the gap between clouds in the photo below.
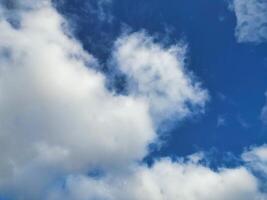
(58, 121)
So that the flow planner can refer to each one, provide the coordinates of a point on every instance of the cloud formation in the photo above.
(59, 124)
(56, 116)
(56, 113)
(158, 75)
(257, 159)
(251, 19)
(165, 180)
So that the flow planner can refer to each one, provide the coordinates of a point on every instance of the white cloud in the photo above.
(56, 116)
(55, 113)
(256, 158)
(58, 121)
(11, 9)
(165, 180)
(251, 16)
(159, 76)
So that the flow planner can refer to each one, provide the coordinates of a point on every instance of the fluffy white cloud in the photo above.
(159, 76)
(251, 16)
(165, 180)
(56, 116)
(58, 121)
(55, 112)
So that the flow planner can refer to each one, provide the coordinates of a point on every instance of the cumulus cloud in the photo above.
(59, 123)
(55, 112)
(158, 75)
(165, 180)
(251, 17)
(56, 116)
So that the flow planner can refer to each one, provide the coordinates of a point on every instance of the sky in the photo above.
(133, 100)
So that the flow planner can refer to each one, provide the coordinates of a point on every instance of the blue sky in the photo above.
(133, 100)
(233, 72)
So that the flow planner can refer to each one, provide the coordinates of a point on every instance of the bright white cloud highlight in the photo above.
(251, 17)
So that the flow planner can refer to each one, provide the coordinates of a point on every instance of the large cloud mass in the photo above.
(65, 136)
(166, 180)
(251, 16)
(56, 116)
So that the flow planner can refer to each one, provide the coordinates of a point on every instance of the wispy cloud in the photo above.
(221, 121)
(251, 19)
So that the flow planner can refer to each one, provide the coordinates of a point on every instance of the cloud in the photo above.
(56, 116)
(221, 121)
(60, 124)
(26, 4)
(251, 19)
(257, 158)
(100, 10)
(103, 13)
(166, 179)
(158, 75)
(264, 113)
